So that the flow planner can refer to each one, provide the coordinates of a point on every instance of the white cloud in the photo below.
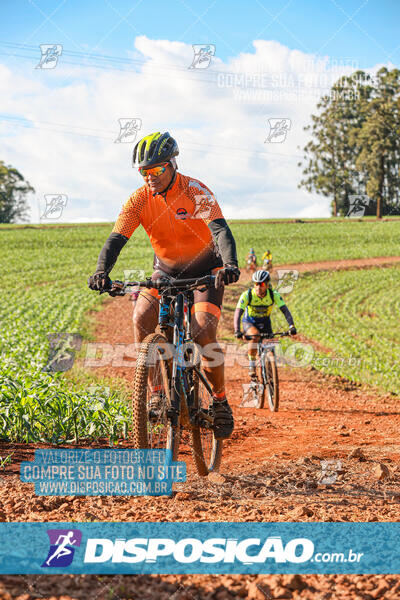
(221, 129)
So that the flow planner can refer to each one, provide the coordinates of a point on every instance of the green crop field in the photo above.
(36, 405)
(355, 314)
(44, 291)
(317, 241)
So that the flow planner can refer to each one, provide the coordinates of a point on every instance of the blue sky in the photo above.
(59, 126)
(363, 30)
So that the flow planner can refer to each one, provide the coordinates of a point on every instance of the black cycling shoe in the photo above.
(223, 419)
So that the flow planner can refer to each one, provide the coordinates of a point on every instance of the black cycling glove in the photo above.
(229, 274)
(99, 282)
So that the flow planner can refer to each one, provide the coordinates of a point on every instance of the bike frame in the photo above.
(181, 374)
(262, 349)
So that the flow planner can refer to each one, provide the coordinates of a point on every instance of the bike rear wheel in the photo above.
(151, 426)
(206, 450)
(258, 390)
(270, 380)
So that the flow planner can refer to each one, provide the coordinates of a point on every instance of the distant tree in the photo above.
(329, 158)
(13, 191)
(379, 142)
(355, 143)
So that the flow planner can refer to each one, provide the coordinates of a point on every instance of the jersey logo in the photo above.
(182, 214)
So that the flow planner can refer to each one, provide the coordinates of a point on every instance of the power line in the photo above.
(121, 64)
(117, 63)
(22, 122)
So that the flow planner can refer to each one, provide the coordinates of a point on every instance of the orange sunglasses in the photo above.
(155, 171)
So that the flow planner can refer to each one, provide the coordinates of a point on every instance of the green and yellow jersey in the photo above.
(256, 307)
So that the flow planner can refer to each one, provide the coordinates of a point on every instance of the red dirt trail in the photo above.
(271, 471)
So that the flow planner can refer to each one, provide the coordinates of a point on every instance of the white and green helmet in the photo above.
(154, 149)
(261, 276)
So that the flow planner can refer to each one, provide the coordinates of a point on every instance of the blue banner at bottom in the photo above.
(204, 548)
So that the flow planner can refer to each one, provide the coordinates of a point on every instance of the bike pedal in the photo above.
(153, 416)
(172, 416)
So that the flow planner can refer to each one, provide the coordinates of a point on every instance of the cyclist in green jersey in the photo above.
(256, 304)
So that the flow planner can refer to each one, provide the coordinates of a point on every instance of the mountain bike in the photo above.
(268, 381)
(251, 265)
(267, 264)
(170, 391)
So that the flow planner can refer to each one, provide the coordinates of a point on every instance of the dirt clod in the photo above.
(216, 478)
(381, 471)
(357, 453)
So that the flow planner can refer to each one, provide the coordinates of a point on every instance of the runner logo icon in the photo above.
(62, 542)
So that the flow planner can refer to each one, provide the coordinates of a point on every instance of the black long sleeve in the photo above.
(236, 319)
(224, 240)
(110, 252)
(288, 314)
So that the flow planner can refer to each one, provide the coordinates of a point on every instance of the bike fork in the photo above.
(176, 378)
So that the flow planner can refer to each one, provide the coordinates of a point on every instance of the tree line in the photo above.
(354, 148)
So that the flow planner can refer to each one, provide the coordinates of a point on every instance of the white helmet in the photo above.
(261, 276)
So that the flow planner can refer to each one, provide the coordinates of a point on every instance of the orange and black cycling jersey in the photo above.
(176, 222)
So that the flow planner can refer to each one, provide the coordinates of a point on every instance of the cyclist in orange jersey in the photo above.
(190, 238)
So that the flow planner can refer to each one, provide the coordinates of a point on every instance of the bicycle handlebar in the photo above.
(267, 336)
(119, 288)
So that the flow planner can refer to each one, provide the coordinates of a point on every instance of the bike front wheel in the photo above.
(206, 449)
(151, 400)
(270, 380)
